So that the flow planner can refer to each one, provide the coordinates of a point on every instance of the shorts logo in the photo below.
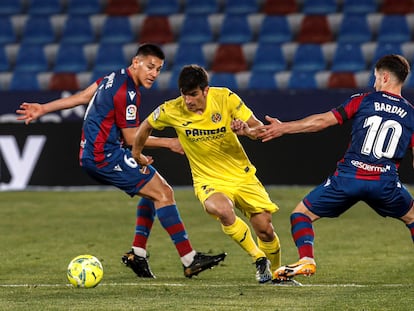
(131, 112)
(216, 117)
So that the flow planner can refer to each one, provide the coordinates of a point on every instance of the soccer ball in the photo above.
(85, 271)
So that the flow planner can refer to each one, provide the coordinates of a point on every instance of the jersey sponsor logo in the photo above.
(216, 117)
(196, 135)
(131, 112)
(132, 94)
(390, 109)
(369, 167)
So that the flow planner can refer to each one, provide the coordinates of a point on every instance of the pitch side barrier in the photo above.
(45, 153)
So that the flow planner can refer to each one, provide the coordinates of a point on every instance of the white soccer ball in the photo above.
(85, 271)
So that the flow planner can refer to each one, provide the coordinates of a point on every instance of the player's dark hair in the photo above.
(192, 77)
(150, 49)
(397, 64)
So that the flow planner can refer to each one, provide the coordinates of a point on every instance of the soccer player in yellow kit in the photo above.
(207, 121)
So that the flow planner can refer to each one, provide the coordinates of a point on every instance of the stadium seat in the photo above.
(11, 7)
(189, 54)
(241, 6)
(308, 57)
(269, 58)
(275, 29)
(122, 7)
(109, 57)
(319, 7)
(7, 32)
(348, 57)
(263, 80)
(156, 29)
(70, 58)
(162, 7)
(280, 7)
(235, 29)
(302, 80)
(224, 79)
(354, 28)
(386, 48)
(38, 29)
(314, 29)
(4, 61)
(397, 7)
(24, 81)
(201, 7)
(196, 29)
(117, 29)
(359, 6)
(394, 28)
(63, 82)
(84, 7)
(341, 80)
(31, 58)
(229, 58)
(45, 7)
(78, 29)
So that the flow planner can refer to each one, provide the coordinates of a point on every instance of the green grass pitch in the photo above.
(365, 262)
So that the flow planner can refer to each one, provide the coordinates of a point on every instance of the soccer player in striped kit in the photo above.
(382, 131)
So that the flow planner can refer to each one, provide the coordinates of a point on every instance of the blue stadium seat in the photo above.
(4, 61)
(189, 54)
(173, 81)
(117, 29)
(78, 29)
(24, 81)
(354, 28)
(235, 29)
(38, 29)
(11, 7)
(162, 7)
(196, 29)
(275, 29)
(45, 7)
(319, 7)
(394, 28)
(262, 80)
(241, 7)
(88, 7)
(302, 80)
(269, 58)
(201, 7)
(70, 58)
(110, 57)
(359, 6)
(308, 57)
(386, 48)
(7, 33)
(31, 58)
(348, 57)
(223, 79)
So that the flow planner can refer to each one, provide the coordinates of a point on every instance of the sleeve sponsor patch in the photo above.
(131, 112)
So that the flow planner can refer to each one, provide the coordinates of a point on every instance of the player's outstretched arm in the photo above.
(171, 143)
(29, 112)
(141, 136)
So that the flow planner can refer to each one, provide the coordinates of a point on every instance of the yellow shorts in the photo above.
(250, 197)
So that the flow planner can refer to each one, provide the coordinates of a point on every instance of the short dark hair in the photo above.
(396, 64)
(192, 77)
(146, 49)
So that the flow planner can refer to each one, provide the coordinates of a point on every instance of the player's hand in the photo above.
(175, 146)
(29, 112)
(239, 127)
(271, 130)
(144, 160)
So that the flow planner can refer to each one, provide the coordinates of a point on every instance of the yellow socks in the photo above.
(240, 232)
(272, 251)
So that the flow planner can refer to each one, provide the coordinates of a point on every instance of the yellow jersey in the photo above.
(213, 150)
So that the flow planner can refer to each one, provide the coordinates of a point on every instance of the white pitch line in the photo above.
(206, 285)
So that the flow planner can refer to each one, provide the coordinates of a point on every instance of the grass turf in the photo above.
(364, 261)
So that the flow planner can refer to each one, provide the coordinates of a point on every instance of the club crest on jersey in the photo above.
(216, 117)
(131, 112)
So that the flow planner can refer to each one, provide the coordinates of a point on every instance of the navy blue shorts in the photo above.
(121, 171)
(338, 194)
